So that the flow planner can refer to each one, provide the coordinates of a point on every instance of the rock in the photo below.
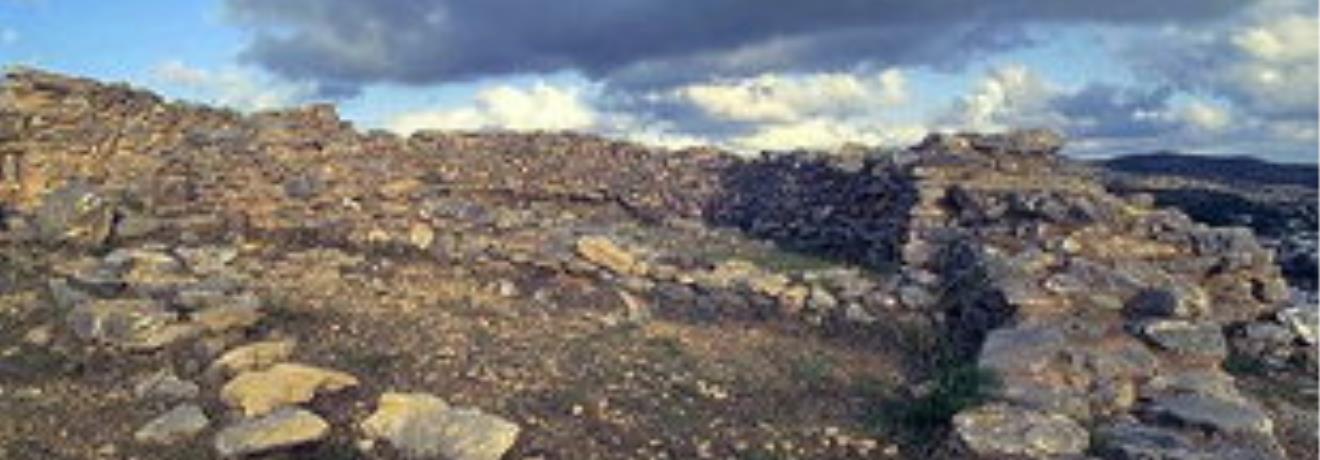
(240, 312)
(132, 323)
(75, 213)
(424, 426)
(286, 427)
(165, 385)
(1022, 349)
(1133, 441)
(856, 313)
(421, 236)
(1187, 302)
(1205, 411)
(151, 260)
(999, 431)
(181, 423)
(91, 275)
(821, 300)
(207, 260)
(65, 296)
(1302, 320)
(39, 336)
(253, 356)
(1186, 337)
(603, 252)
(260, 392)
(131, 225)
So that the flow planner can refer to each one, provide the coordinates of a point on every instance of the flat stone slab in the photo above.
(1003, 431)
(260, 392)
(1205, 411)
(253, 356)
(283, 428)
(1186, 337)
(181, 423)
(424, 426)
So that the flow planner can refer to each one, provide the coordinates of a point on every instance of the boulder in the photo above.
(181, 423)
(603, 252)
(1003, 431)
(253, 356)
(1215, 413)
(238, 312)
(139, 324)
(1186, 337)
(165, 385)
(425, 427)
(1303, 320)
(283, 428)
(76, 213)
(260, 392)
(1165, 302)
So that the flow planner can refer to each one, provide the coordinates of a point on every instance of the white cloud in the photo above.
(776, 98)
(177, 72)
(1262, 64)
(541, 107)
(1008, 96)
(825, 134)
(233, 87)
(1274, 67)
(1203, 116)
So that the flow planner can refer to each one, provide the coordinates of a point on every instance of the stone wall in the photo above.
(1103, 317)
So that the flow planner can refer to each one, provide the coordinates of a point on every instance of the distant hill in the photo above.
(1239, 169)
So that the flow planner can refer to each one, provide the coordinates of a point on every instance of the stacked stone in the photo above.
(1095, 312)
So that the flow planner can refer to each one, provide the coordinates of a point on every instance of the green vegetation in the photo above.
(922, 419)
(814, 371)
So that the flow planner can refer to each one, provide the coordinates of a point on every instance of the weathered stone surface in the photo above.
(1184, 337)
(260, 392)
(132, 323)
(1187, 302)
(1219, 414)
(604, 252)
(1003, 431)
(421, 236)
(1304, 320)
(254, 356)
(425, 427)
(207, 259)
(181, 423)
(237, 313)
(283, 428)
(75, 213)
(165, 385)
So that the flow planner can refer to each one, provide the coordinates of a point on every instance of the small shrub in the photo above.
(920, 421)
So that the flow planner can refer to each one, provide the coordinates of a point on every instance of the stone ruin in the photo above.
(1103, 318)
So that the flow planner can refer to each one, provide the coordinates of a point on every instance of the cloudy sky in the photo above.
(1119, 76)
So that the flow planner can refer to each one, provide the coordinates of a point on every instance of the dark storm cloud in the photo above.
(343, 43)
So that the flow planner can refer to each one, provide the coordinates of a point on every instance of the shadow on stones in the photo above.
(846, 209)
